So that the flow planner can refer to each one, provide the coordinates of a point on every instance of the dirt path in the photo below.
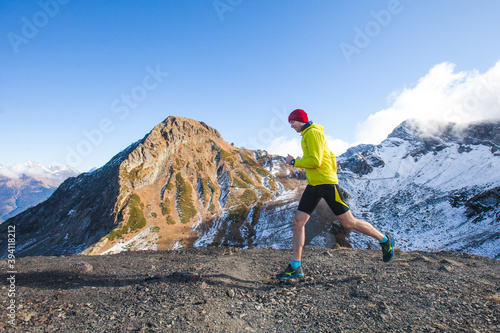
(234, 290)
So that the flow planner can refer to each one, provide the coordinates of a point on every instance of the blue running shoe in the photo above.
(388, 249)
(290, 273)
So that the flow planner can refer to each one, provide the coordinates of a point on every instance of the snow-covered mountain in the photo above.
(433, 191)
(38, 170)
(26, 184)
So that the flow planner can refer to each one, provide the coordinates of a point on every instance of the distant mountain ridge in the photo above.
(38, 170)
(432, 190)
(26, 184)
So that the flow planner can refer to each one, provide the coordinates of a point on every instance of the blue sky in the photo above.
(81, 80)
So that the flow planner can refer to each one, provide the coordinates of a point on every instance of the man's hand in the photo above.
(289, 159)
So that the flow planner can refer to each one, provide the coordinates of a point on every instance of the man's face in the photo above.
(297, 125)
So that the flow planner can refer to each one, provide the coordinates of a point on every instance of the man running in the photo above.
(321, 173)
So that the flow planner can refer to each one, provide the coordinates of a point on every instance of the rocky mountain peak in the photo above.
(180, 184)
(175, 127)
(448, 132)
(178, 130)
(183, 176)
(404, 131)
(184, 138)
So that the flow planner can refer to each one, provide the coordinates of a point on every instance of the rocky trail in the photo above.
(234, 290)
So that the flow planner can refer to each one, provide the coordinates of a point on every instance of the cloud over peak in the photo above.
(442, 95)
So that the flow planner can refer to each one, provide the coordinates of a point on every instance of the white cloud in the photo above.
(337, 146)
(442, 95)
(283, 146)
(6, 172)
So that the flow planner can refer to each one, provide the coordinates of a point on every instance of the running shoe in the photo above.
(388, 249)
(291, 273)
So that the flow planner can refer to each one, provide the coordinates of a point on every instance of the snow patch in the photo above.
(145, 240)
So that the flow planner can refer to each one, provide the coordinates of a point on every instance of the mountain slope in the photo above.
(433, 191)
(181, 177)
(26, 184)
(181, 185)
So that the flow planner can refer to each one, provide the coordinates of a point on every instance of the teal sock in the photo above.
(384, 240)
(295, 264)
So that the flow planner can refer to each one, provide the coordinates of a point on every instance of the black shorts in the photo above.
(330, 192)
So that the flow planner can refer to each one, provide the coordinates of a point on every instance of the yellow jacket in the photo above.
(318, 160)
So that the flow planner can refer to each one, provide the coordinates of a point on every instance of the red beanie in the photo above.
(298, 115)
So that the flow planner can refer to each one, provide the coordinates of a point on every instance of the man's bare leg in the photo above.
(294, 269)
(350, 222)
(299, 234)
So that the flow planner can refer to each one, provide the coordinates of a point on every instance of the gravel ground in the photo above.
(234, 290)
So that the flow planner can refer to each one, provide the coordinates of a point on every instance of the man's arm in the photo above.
(315, 143)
